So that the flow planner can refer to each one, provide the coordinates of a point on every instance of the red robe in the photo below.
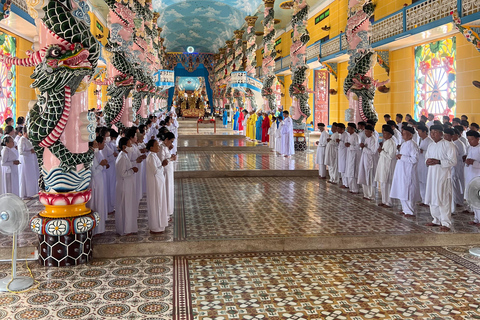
(265, 127)
(240, 122)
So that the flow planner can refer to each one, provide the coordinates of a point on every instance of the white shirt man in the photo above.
(288, 145)
(386, 165)
(366, 173)
(422, 169)
(351, 165)
(458, 180)
(331, 155)
(440, 159)
(472, 167)
(320, 158)
(342, 154)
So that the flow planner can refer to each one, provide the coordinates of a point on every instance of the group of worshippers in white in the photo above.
(280, 133)
(416, 162)
(136, 162)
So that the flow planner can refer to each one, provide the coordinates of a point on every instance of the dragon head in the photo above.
(62, 66)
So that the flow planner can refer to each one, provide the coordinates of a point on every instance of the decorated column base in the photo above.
(65, 229)
(300, 143)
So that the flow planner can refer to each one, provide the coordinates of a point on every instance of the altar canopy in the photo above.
(190, 96)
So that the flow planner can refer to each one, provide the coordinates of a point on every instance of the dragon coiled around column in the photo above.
(143, 88)
(268, 63)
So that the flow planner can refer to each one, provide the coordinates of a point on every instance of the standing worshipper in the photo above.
(366, 173)
(173, 127)
(342, 153)
(136, 159)
(236, 116)
(278, 135)
(397, 134)
(10, 165)
(351, 164)
(272, 132)
(111, 142)
(472, 167)
(258, 127)
(321, 146)
(386, 165)
(405, 181)
(331, 154)
(458, 181)
(246, 117)
(288, 147)
(156, 193)
(225, 118)
(265, 128)
(441, 158)
(29, 171)
(241, 123)
(126, 206)
(422, 168)
(98, 201)
(164, 154)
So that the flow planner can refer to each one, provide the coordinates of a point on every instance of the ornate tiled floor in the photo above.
(405, 283)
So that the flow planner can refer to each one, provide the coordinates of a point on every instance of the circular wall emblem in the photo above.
(190, 49)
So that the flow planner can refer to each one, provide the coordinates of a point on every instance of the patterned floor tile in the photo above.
(130, 288)
(414, 283)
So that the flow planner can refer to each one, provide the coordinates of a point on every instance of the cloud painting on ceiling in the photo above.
(202, 24)
(189, 83)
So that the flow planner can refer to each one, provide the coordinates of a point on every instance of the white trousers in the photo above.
(407, 207)
(322, 170)
(333, 172)
(385, 189)
(352, 184)
(476, 219)
(423, 189)
(344, 179)
(368, 191)
(442, 215)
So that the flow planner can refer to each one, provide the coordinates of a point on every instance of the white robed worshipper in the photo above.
(126, 207)
(136, 158)
(272, 132)
(331, 154)
(164, 154)
(405, 181)
(342, 153)
(173, 127)
(288, 145)
(321, 146)
(278, 136)
(109, 153)
(463, 137)
(353, 159)
(142, 147)
(361, 131)
(244, 122)
(98, 201)
(458, 180)
(366, 173)
(29, 171)
(10, 165)
(156, 192)
(441, 158)
(472, 167)
(386, 165)
(422, 168)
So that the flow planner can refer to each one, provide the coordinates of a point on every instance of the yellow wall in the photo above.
(385, 7)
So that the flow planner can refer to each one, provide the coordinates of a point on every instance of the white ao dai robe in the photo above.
(351, 164)
(272, 132)
(422, 167)
(10, 171)
(472, 171)
(278, 138)
(156, 194)
(320, 156)
(29, 172)
(458, 177)
(98, 202)
(342, 155)
(366, 173)
(439, 181)
(331, 155)
(288, 145)
(137, 189)
(386, 168)
(126, 206)
(165, 154)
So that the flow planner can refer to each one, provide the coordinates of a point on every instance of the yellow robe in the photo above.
(253, 118)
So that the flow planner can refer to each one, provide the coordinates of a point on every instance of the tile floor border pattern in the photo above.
(179, 226)
(183, 309)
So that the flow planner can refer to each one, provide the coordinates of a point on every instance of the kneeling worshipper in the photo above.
(98, 202)
(331, 154)
(321, 146)
(126, 205)
(405, 180)
(351, 165)
(10, 165)
(258, 127)
(441, 158)
(366, 173)
(164, 154)
(29, 171)
(386, 165)
(156, 193)
(288, 144)
(472, 167)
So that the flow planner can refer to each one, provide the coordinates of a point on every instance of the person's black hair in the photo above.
(130, 133)
(437, 122)
(167, 119)
(465, 123)
(392, 123)
(334, 124)
(286, 112)
(409, 115)
(320, 124)
(103, 131)
(90, 144)
(436, 127)
(465, 116)
(457, 120)
(369, 127)
(399, 115)
(447, 124)
(472, 133)
(423, 117)
(455, 131)
(431, 114)
(449, 131)
(5, 140)
(148, 122)
(161, 133)
(404, 124)
(409, 129)
(141, 128)
(150, 144)
(113, 134)
(97, 130)
(19, 130)
(123, 142)
(412, 121)
(8, 129)
(353, 125)
(99, 139)
(168, 135)
(362, 123)
(388, 128)
(422, 128)
(8, 120)
(371, 122)
(162, 123)
(341, 125)
(460, 129)
(446, 117)
(473, 124)
(387, 116)
(150, 117)
(20, 120)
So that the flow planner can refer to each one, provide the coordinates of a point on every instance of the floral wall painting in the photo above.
(8, 97)
(435, 79)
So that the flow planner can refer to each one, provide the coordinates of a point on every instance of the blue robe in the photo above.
(258, 127)
(225, 118)
(235, 120)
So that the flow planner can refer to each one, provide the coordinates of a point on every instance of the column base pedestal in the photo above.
(67, 250)
(300, 144)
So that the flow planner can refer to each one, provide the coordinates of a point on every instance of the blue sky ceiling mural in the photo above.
(203, 24)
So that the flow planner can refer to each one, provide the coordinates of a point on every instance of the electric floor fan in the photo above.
(13, 220)
(473, 199)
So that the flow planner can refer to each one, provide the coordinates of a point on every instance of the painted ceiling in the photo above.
(188, 83)
(202, 24)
